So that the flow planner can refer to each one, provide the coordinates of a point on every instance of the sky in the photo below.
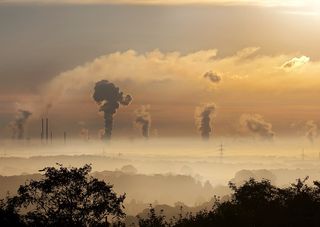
(173, 2)
(265, 54)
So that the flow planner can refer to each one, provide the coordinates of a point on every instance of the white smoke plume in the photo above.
(143, 118)
(257, 125)
(204, 117)
(312, 130)
(18, 125)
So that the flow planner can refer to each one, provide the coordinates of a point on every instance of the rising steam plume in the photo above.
(256, 124)
(311, 130)
(204, 117)
(19, 124)
(109, 98)
(143, 119)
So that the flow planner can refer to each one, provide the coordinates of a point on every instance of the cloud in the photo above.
(171, 81)
(129, 66)
(213, 77)
(179, 73)
(296, 62)
(168, 2)
(247, 52)
(256, 124)
(258, 71)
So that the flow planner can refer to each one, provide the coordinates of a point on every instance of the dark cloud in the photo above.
(256, 124)
(213, 77)
(108, 96)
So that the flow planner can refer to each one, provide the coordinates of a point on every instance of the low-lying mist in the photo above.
(150, 170)
(188, 156)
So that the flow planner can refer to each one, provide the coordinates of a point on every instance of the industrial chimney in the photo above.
(47, 130)
(65, 137)
(42, 132)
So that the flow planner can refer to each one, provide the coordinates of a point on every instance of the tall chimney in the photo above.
(65, 137)
(42, 132)
(47, 130)
(51, 137)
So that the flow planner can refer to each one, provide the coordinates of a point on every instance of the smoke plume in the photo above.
(312, 130)
(84, 134)
(47, 108)
(143, 119)
(204, 117)
(19, 124)
(108, 96)
(213, 77)
(256, 124)
(84, 131)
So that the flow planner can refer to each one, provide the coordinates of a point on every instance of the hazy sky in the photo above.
(266, 53)
(174, 2)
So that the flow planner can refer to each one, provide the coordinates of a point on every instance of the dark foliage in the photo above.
(8, 214)
(153, 219)
(255, 204)
(69, 197)
(64, 197)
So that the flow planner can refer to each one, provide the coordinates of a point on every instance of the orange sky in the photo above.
(268, 66)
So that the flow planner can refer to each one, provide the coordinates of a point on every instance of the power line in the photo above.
(221, 149)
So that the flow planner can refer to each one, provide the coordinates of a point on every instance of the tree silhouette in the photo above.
(70, 197)
(65, 197)
(8, 213)
(153, 219)
(256, 204)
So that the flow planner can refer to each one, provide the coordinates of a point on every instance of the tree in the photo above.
(67, 197)
(153, 220)
(8, 214)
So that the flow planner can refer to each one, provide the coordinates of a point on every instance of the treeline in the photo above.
(71, 197)
(139, 187)
(256, 204)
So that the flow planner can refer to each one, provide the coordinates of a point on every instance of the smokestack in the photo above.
(51, 137)
(47, 130)
(42, 132)
(109, 98)
(65, 137)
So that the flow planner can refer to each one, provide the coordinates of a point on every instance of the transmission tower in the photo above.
(221, 149)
